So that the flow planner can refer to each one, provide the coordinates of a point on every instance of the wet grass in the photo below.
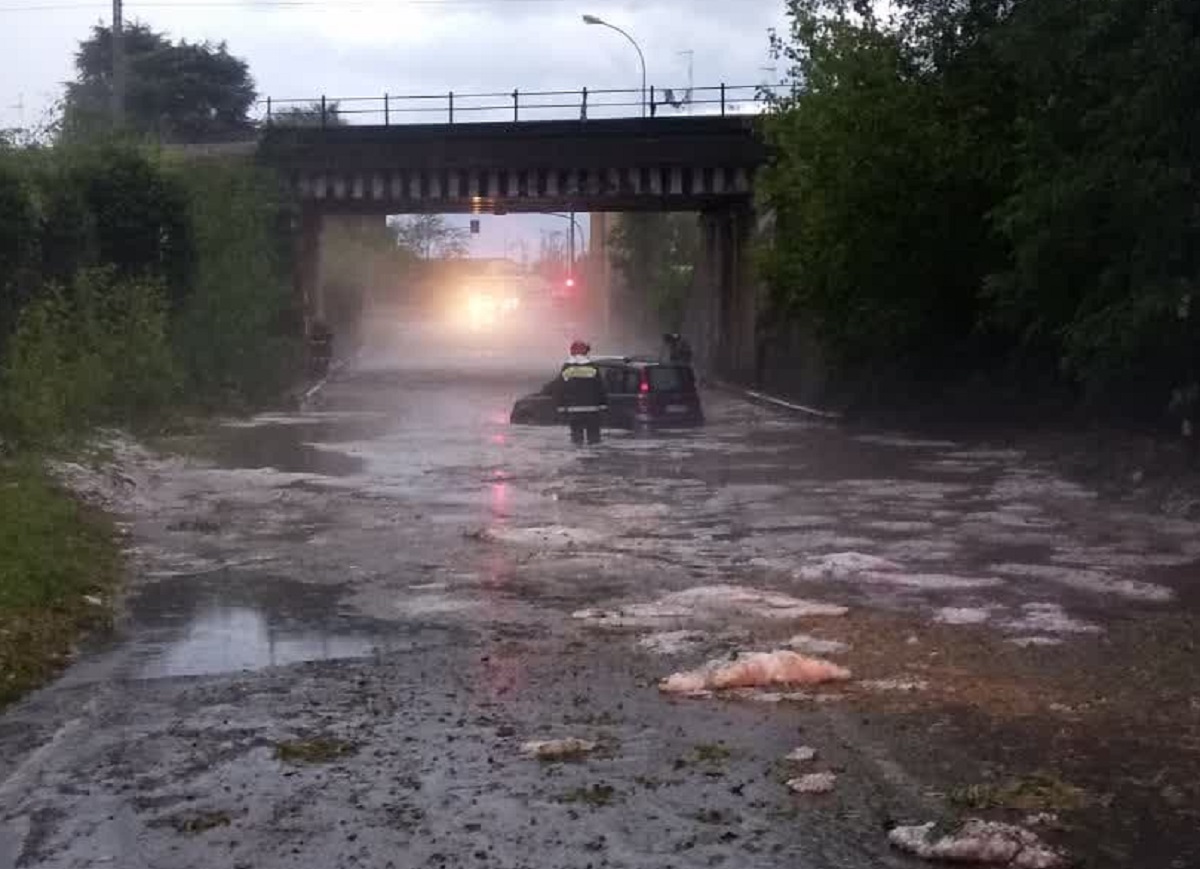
(710, 753)
(596, 795)
(1040, 792)
(55, 554)
(317, 750)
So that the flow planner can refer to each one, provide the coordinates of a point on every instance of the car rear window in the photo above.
(665, 378)
(613, 378)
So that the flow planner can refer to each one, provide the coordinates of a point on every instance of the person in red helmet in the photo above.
(581, 395)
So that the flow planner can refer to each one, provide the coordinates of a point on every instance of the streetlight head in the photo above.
(591, 19)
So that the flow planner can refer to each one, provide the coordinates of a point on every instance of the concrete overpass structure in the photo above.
(704, 164)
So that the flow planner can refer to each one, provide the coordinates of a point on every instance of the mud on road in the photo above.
(343, 625)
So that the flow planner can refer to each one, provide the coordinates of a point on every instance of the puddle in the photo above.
(283, 447)
(240, 619)
(233, 639)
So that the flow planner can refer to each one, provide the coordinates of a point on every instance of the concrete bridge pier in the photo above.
(722, 311)
(307, 275)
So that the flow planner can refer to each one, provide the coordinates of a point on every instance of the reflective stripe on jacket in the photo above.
(580, 387)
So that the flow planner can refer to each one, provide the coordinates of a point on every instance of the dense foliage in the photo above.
(128, 287)
(235, 336)
(994, 186)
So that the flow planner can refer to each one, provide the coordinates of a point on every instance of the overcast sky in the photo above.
(369, 47)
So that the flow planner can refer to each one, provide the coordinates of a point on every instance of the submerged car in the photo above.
(642, 393)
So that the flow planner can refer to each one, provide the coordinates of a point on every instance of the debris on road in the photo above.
(319, 750)
(963, 615)
(570, 748)
(813, 783)
(1043, 819)
(193, 823)
(1099, 581)
(782, 667)
(711, 603)
(1049, 618)
(758, 696)
(671, 642)
(981, 842)
(803, 754)
(904, 686)
(872, 568)
(596, 796)
(842, 565)
(1040, 792)
(816, 646)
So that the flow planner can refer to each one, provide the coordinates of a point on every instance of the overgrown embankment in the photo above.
(133, 291)
(58, 567)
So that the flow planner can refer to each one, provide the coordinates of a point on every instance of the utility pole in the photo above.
(118, 64)
(571, 267)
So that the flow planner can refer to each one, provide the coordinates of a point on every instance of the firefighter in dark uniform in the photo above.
(581, 395)
(676, 349)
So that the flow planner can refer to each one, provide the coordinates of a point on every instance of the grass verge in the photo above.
(55, 554)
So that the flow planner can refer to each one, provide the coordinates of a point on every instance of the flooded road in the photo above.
(344, 624)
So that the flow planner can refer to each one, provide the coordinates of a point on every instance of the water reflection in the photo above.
(226, 639)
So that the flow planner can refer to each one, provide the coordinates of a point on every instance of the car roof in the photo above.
(638, 361)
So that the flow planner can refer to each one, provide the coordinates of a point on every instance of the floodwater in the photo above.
(397, 572)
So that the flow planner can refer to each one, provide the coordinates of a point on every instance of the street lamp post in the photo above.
(592, 19)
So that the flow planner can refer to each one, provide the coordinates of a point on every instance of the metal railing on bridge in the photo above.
(518, 105)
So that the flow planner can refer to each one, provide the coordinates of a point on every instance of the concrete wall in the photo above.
(729, 322)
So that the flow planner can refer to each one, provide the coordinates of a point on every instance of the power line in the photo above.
(268, 5)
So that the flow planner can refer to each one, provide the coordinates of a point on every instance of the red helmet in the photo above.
(580, 348)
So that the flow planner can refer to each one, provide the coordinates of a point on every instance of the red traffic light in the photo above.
(570, 282)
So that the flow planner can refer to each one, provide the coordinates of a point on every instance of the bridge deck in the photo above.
(622, 164)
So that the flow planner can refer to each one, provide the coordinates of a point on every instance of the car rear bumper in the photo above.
(658, 420)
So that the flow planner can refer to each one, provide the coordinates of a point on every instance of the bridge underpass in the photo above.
(702, 164)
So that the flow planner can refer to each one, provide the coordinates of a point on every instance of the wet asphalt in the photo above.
(397, 580)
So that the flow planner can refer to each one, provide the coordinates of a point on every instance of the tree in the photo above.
(656, 256)
(553, 254)
(175, 92)
(428, 236)
(880, 191)
(1101, 216)
(310, 115)
(994, 186)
